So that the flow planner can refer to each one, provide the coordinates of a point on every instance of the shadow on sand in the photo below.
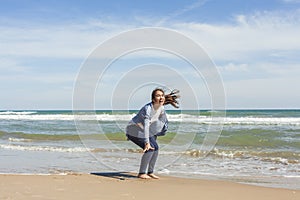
(116, 175)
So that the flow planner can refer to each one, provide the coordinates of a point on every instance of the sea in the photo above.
(259, 147)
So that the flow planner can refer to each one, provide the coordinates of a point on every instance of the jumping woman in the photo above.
(151, 121)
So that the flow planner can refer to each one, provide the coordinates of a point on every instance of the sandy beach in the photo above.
(125, 186)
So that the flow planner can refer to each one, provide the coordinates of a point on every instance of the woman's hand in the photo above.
(147, 147)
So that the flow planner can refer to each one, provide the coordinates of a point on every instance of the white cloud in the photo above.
(249, 37)
(291, 1)
(177, 13)
(263, 93)
(262, 70)
(259, 52)
(8, 65)
(61, 41)
(231, 67)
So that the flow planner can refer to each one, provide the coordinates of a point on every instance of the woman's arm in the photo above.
(146, 129)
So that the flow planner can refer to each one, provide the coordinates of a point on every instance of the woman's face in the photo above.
(159, 98)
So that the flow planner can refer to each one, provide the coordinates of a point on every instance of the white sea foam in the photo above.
(43, 148)
(64, 117)
(17, 113)
(292, 176)
(19, 140)
(294, 121)
(263, 120)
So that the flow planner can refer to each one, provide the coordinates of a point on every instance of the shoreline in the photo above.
(266, 182)
(121, 185)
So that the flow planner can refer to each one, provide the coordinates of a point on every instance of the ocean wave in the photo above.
(284, 158)
(262, 120)
(19, 140)
(19, 147)
(43, 148)
(26, 137)
(182, 118)
(17, 112)
(67, 117)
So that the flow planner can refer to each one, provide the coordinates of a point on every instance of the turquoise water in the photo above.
(260, 147)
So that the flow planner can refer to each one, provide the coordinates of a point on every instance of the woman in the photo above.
(151, 121)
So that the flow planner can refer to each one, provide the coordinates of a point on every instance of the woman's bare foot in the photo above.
(144, 176)
(153, 176)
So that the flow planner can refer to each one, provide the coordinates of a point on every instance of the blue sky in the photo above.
(255, 45)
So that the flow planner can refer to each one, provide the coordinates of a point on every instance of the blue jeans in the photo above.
(149, 157)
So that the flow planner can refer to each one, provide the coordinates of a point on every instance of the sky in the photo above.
(254, 44)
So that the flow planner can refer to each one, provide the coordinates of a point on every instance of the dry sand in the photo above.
(121, 186)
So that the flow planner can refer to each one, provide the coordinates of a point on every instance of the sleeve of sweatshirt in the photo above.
(147, 123)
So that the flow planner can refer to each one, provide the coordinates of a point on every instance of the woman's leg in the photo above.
(145, 158)
(154, 155)
(152, 162)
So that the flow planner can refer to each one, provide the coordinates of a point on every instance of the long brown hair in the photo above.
(170, 98)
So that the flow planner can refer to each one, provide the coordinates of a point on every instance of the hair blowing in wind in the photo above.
(172, 98)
